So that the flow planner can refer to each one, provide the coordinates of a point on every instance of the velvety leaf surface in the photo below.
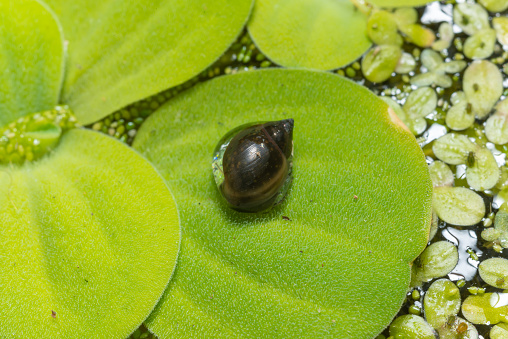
(398, 3)
(122, 51)
(321, 34)
(359, 210)
(31, 59)
(88, 244)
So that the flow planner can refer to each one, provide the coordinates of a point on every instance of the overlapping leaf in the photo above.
(31, 59)
(124, 51)
(88, 242)
(322, 34)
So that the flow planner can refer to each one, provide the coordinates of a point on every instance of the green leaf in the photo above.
(31, 59)
(470, 17)
(379, 63)
(494, 271)
(320, 34)
(88, 244)
(399, 3)
(489, 308)
(441, 301)
(494, 5)
(458, 205)
(499, 331)
(436, 261)
(483, 86)
(123, 51)
(484, 173)
(382, 29)
(410, 326)
(261, 275)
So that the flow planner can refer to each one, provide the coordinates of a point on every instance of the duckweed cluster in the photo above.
(31, 137)
(453, 100)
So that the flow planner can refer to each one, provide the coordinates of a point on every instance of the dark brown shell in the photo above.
(256, 165)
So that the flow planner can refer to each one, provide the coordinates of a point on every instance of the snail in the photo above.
(252, 165)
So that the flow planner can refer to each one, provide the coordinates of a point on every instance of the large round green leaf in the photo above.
(359, 211)
(320, 34)
(31, 59)
(122, 51)
(88, 242)
(399, 3)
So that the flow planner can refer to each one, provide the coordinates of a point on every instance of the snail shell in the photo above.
(257, 164)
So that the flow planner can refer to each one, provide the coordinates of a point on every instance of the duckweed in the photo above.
(453, 148)
(32, 136)
(484, 173)
(489, 308)
(380, 62)
(495, 5)
(483, 85)
(470, 17)
(441, 302)
(499, 331)
(494, 271)
(481, 44)
(458, 205)
(441, 174)
(411, 326)
(436, 261)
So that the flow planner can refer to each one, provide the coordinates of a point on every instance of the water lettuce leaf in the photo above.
(357, 214)
(31, 59)
(88, 243)
(319, 34)
(123, 51)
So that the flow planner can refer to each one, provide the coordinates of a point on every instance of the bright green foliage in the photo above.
(458, 328)
(483, 85)
(483, 173)
(399, 3)
(419, 35)
(441, 174)
(494, 5)
(419, 103)
(88, 242)
(453, 148)
(382, 29)
(446, 35)
(441, 302)
(480, 45)
(499, 331)
(460, 116)
(489, 308)
(380, 62)
(319, 34)
(494, 271)
(498, 233)
(501, 26)
(436, 261)
(31, 59)
(496, 128)
(458, 205)
(347, 243)
(124, 51)
(410, 326)
(470, 17)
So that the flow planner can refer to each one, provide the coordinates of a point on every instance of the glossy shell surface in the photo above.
(252, 165)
